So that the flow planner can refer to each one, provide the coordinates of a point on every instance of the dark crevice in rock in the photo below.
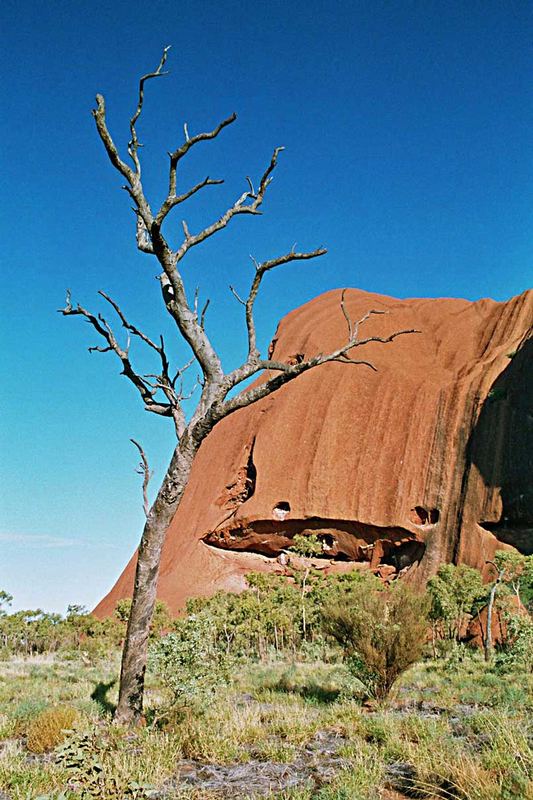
(515, 533)
(424, 516)
(501, 448)
(403, 555)
(342, 540)
(243, 487)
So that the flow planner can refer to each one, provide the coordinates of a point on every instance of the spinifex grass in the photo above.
(456, 734)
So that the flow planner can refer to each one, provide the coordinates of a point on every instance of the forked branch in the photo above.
(287, 372)
(260, 270)
(133, 144)
(176, 156)
(240, 206)
(147, 390)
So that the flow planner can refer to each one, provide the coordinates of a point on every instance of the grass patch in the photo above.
(463, 733)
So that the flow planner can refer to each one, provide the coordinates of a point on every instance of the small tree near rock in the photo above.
(382, 634)
(162, 392)
(454, 592)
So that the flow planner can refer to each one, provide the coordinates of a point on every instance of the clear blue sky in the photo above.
(405, 126)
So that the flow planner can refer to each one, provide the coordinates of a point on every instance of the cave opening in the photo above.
(403, 555)
(281, 510)
(424, 516)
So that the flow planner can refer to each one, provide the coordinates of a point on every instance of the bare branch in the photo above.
(345, 314)
(203, 313)
(103, 328)
(143, 469)
(136, 332)
(189, 142)
(182, 370)
(175, 200)
(287, 372)
(111, 149)
(200, 318)
(237, 296)
(133, 144)
(98, 349)
(260, 270)
(239, 207)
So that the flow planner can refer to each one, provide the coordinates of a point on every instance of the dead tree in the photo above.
(490, 608)
(162, 392)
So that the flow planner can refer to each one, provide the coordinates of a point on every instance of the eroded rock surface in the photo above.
(427, 460)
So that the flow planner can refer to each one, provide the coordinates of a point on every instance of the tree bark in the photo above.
(132, 674)
(490, 608)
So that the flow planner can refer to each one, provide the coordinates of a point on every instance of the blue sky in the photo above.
(405, 126)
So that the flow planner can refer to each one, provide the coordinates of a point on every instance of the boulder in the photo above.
(428, 459)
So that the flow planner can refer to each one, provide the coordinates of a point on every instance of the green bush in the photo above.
(190, 662)
(455, 593)
(518, 654)
(382, 634)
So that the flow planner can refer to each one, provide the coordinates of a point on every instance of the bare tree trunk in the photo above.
(490, 608)
(134, 656)
(304, 617)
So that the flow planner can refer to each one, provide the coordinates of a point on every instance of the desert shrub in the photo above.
(47, 730)
(161, 619)
(306, 546)
(455, 593)
(24, 712)
(191, 662)
(518, 653)
(382, 634)
(267, 620)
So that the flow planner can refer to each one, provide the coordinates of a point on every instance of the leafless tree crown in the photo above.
(162, 392)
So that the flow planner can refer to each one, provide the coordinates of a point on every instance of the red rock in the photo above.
(477, 628)
(428, 460)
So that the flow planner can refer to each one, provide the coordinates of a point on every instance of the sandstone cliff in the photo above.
(429, 459)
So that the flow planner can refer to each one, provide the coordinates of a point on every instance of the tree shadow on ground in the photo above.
(99, 696)
(309, 691)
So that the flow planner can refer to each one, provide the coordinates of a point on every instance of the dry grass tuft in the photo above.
(47, 729)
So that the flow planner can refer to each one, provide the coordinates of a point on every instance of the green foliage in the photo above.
(306, 546)
(5, 600)
(190, 662)
(455, 593)
(35, 631)
(517, 573)
(382, 634)
(517, 655)
(85, 758)
(161, 620)
(267, 619)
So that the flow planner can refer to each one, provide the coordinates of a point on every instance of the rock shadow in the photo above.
(501, 447)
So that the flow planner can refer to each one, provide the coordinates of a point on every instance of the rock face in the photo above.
(427, 460)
